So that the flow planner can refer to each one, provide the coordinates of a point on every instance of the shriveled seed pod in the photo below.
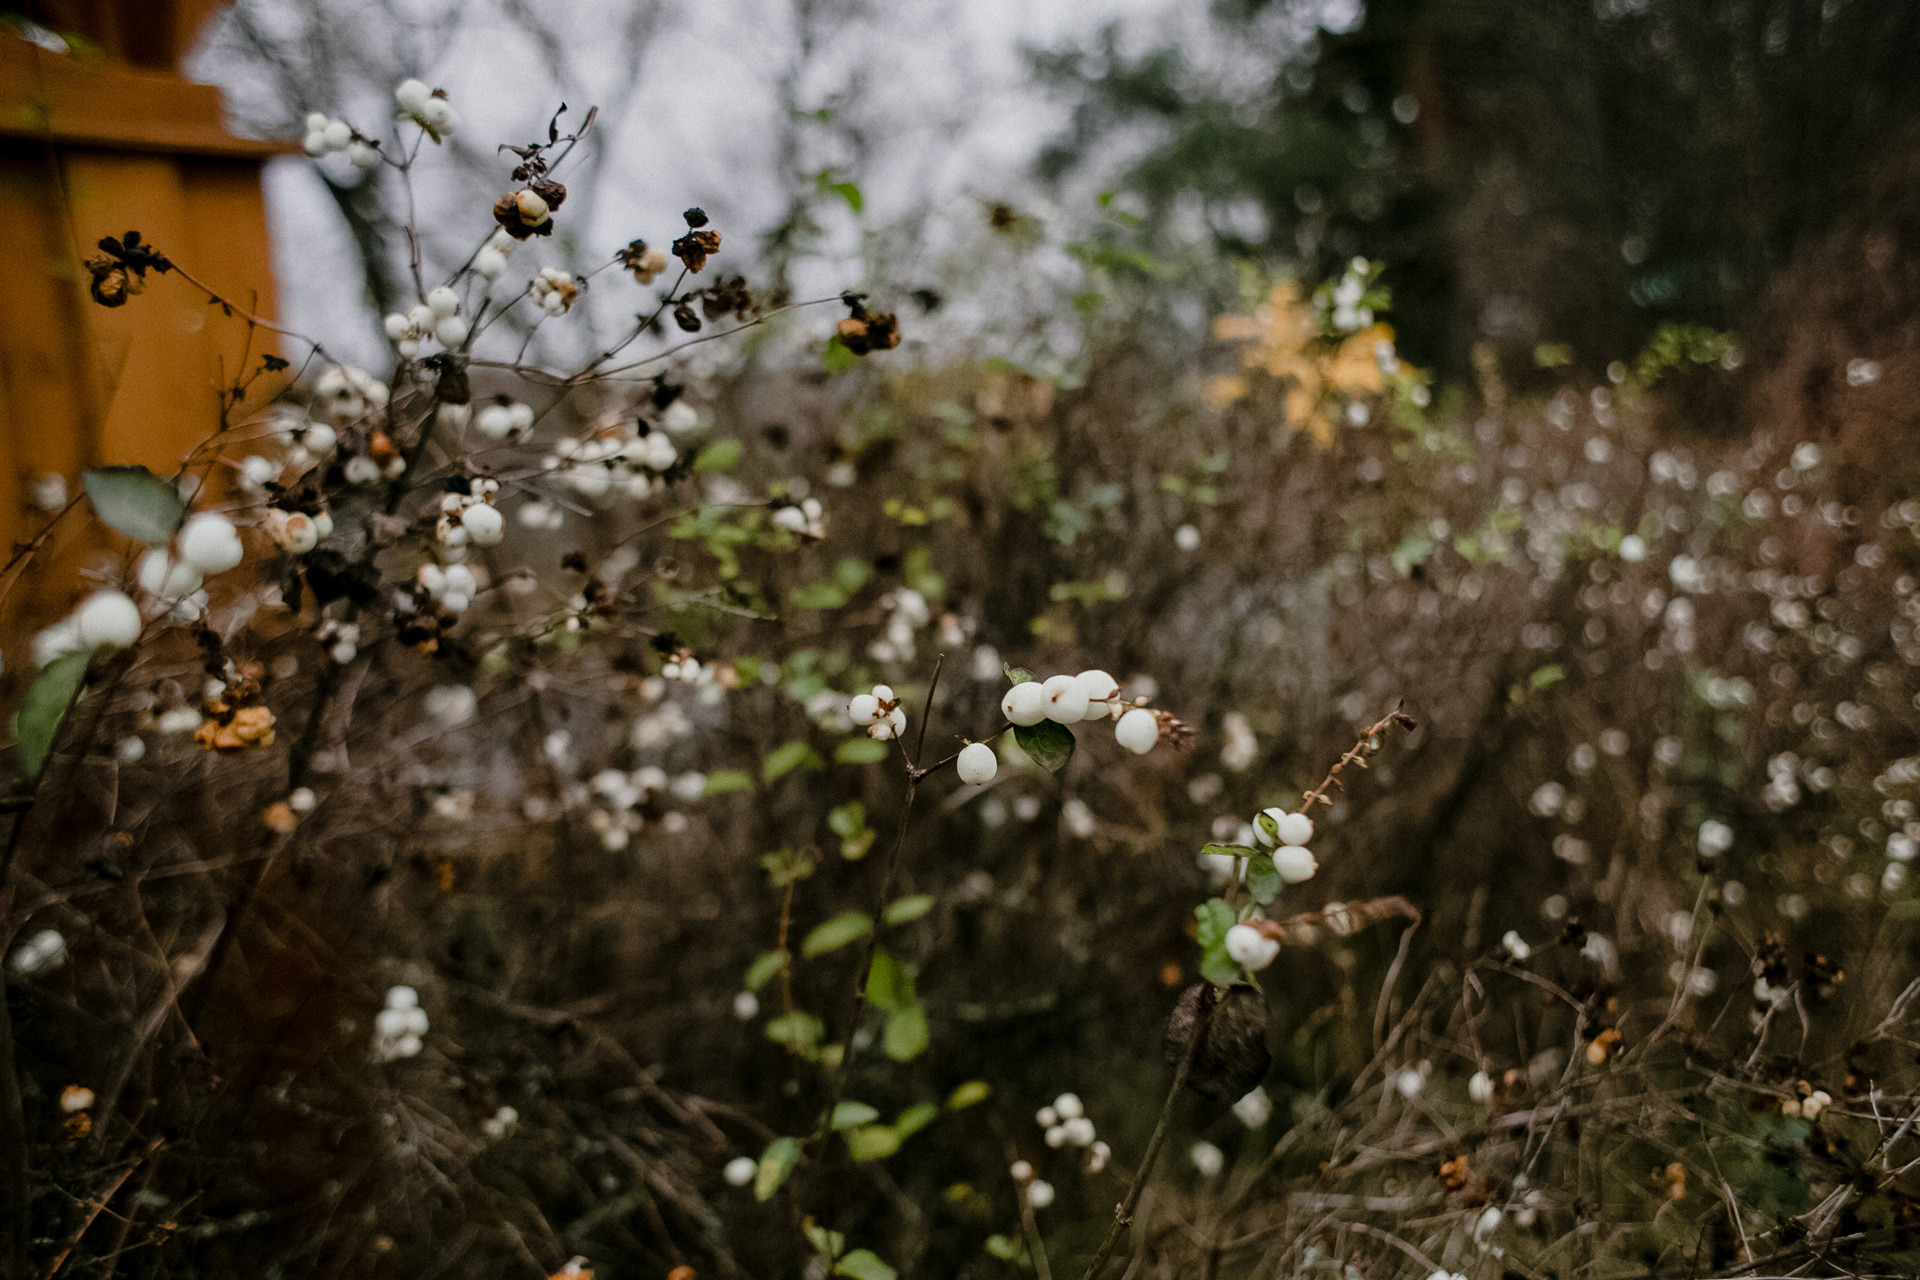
(1233, 1057)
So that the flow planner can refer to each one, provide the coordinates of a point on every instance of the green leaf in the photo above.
(906, 1034)
(1263, 882)
(1216, 966)
(1131, 260)
(1545, 676)
(1215, 917)
(37, 723)
(969, 1093)
(902, 910)
(1005, 1248)
(764, 967)
(862, 1264)
(830, 935)
(920, 574)
(718, 456)
(1231, 850)
(876, 1142)
(851, 1115)
(889, 985)
(798, 1030)
(1016, 675)
(849, 819)
(1413, 550)
(851, 194)
(1050, 745)
(134, 501)
(775, 1164)
(721, 781)
(835, 358)
(861, 750)
(821, 595)
(852, 574)
(915, 1118)
(854, 848)
(787, 757)
(828, 1244)
(1219, 968)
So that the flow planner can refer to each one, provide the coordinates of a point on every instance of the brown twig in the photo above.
(94, 1211)
(1123, 1212)
(1357, 754)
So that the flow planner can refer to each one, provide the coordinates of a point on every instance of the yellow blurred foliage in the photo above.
(1286, 343)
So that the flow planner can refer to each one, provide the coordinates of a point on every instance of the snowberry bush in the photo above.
(497, 815)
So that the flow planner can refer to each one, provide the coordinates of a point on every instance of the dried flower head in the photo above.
(695, 247)
(644, 262)
(524, 213)
(120, 269)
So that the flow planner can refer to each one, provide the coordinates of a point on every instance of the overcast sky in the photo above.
(945, 98)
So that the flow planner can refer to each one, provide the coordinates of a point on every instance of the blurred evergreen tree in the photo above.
(1532, 172)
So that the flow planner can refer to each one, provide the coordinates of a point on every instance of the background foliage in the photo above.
(1631, 530)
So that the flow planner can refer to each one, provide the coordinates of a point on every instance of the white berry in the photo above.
(166, 577)
(680, 418)
(1066, 700)
(494, 422)
(1294, 863)
(863, 708)
(108, 618)
(1293, 828)
(484, 524)
(1100, 688)
(977, 764)
(210, 544)
(1250, 947)
(1025, 704)
(411, 95)
(1138, 731)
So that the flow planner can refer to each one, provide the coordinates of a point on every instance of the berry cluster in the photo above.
(491, 261)
(207, 544)
(437, 318)
(471, 516)
(880, 712)
(1065, 1124)
(451, 587)
(1091, 695)
(427, 108)
(554, 290)
(618, 460)
(398, 1027)
(326, 135)
(806, 518)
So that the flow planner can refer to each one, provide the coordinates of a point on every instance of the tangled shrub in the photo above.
(486, 826)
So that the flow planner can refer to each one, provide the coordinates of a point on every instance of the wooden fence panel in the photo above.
(90, 148)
